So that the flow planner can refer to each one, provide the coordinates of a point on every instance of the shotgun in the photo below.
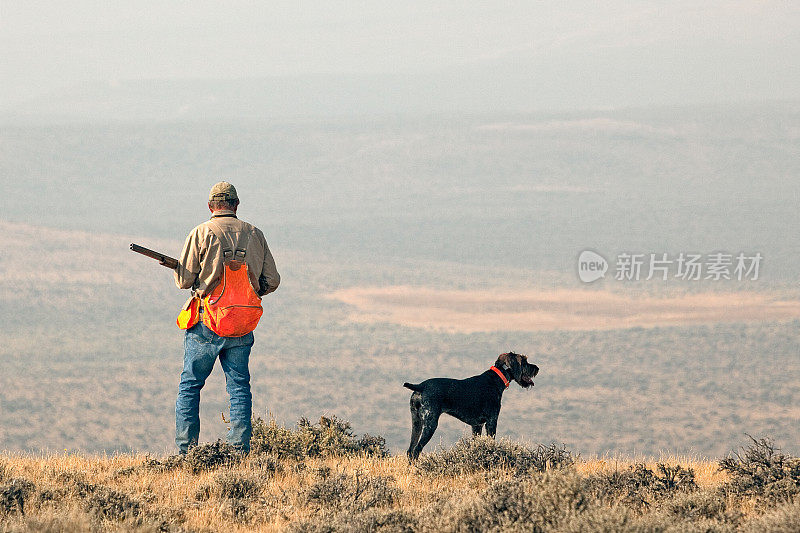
(167, 261)
(171, 262)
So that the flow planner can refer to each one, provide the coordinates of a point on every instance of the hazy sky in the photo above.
(45, 46)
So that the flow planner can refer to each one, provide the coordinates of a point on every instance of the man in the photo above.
(201, 268)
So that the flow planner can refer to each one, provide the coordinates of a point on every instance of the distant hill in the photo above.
(521, 81)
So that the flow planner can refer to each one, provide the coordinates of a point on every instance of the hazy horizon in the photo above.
(397, 58)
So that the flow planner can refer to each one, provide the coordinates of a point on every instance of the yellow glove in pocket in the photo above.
(190, 313)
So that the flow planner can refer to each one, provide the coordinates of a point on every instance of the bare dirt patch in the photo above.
(484, 310)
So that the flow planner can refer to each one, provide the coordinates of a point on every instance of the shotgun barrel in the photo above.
(167, 261)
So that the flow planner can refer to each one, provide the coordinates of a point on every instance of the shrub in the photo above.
(169, 463)
(540, 503)
(329, 437)
(271, 438)
(13, 495)
(609, 519)
(699, 505)
(477, 454)
(199, 458)
(111, 504)
(210, 456)
(373, 520)
(237, 510)
(784, 518)
(663, 522)
(265, 465)
(639, 485)
(762, 470)
(100, 500)
(353, 493)
(233, 486)
(235, 490)
(672, 478)
(48, 522)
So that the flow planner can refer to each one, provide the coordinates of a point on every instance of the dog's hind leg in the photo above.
(416, 423)
(430, 421)
(477, 430)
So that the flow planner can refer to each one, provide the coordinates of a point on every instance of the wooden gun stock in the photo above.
(167, 261)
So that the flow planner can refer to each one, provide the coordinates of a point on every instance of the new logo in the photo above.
(591, 266)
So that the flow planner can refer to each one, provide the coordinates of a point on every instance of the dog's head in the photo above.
(518, 366)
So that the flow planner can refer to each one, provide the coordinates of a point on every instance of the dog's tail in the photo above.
(413, 387)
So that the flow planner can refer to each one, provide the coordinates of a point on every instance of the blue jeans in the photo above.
(201, 349)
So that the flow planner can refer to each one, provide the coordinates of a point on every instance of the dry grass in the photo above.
(267, 493)
(175, 492)
(707, 472)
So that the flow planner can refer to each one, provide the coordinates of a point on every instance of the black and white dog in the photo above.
(474, 401)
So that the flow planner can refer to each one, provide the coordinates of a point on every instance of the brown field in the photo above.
(469, 311)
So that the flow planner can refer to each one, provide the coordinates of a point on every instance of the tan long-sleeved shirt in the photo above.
(200, 265)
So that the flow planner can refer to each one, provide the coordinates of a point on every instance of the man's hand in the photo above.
(263, 286)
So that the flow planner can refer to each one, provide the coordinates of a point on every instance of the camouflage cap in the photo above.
(223, 191)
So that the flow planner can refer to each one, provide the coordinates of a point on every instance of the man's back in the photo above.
(201, 261)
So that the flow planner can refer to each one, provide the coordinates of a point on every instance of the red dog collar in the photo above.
(499, 373)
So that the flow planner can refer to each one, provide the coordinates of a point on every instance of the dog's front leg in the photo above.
(491, 426)
(477, 430)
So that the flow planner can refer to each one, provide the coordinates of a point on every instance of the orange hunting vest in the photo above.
(233, 308)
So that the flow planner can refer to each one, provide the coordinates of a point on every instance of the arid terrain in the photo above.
(321, 477)
(409, 248)
(91, 356)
